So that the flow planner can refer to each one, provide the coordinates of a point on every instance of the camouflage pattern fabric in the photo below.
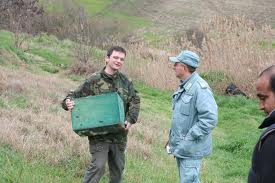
(99, 83)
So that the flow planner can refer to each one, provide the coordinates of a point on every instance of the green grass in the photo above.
(156, 39)
(214, 77)
(234, 139)
(154, 100)
(95, 6)
(91, 6)
(6, 39)
(15, 168)
(45, 50)
(50, 69)
(267, 44)
(16, 100)
(20, 54)
(2, 102)
(136, 21)
(51, 56)
(54, 51)
(19, 101)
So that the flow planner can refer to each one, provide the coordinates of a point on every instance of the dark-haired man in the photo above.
(263, 162)
(109, 147)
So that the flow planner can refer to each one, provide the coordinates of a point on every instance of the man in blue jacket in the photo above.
(195, 115)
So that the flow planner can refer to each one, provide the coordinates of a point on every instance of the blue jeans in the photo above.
(189, 170)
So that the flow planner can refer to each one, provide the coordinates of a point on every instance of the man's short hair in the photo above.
(272, 83)
(115, 48)
(191, 69)
(270, 72)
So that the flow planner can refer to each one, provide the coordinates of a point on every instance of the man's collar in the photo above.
(183, 83)
(269, 120)
(106, 75)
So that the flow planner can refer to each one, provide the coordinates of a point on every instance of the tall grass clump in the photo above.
(151, 66)
(233, 48)
(32, 121)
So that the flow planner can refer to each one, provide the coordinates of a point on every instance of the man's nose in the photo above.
(173, 67)
(261, 105)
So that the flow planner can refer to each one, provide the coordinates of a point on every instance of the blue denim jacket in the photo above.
(195, 115)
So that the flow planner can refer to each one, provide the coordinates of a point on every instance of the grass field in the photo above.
(38, 144)
(147, 160)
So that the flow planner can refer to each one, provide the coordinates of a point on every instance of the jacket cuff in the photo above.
(130, 120)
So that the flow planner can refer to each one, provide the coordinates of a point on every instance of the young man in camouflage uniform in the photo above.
(109, 147)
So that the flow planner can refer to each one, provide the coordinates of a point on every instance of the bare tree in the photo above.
(82, 36)
(20, 16)
(80, 31)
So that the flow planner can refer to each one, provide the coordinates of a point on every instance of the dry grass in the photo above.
(233, 46)
(33, 122)
(42, 129)
(3, 82)
(150, 66)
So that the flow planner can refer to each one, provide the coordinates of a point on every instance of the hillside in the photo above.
(168, 17)
(182, 14)
(38, 145)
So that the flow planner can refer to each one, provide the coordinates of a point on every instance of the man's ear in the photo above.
(107, 59)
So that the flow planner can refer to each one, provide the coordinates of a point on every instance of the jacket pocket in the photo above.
(185, 104)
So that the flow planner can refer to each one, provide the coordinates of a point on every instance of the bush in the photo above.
(80, 68)
(214, 77)
(50, 69)
(21, 54)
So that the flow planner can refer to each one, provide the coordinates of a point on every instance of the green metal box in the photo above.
(99, 114)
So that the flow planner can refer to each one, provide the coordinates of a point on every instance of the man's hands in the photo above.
(69, 104)
(127, 125)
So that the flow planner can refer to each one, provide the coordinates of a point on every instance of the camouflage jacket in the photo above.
(101, 82)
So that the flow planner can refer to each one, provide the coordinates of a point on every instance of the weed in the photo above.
(50, 69)
(21, 54)
(19, 101)
(2, 102)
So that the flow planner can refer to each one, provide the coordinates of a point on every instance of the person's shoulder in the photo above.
(125, 78)
(267, 138)
(94, 77)
(201, 83)
(270, 132)
(202, 86)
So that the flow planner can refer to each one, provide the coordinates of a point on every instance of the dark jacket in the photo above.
(263, 161)
(99, 83)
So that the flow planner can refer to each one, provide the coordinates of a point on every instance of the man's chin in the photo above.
(117, 68)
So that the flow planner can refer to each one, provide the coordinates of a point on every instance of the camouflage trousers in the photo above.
(101, 153)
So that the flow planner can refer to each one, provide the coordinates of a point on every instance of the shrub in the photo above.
(50, 69)
(80, 68)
